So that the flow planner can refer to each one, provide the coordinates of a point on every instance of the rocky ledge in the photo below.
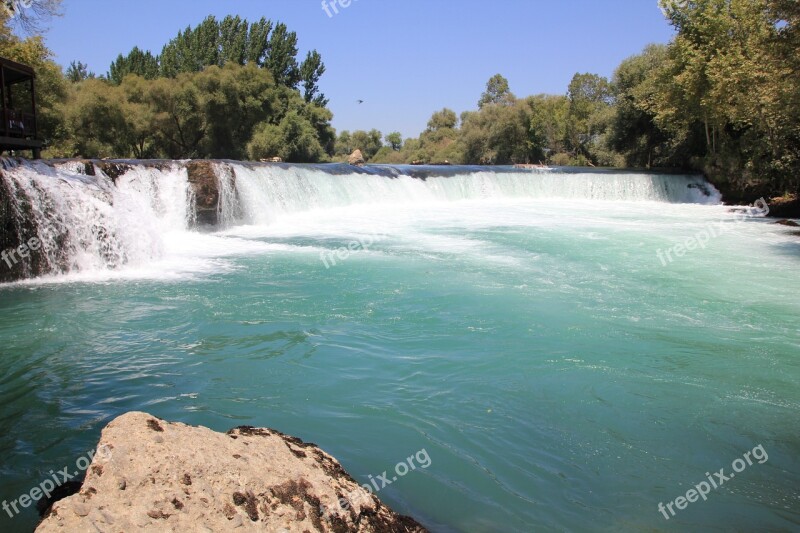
(154, 475)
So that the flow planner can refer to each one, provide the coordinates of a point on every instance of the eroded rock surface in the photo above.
(160, 476)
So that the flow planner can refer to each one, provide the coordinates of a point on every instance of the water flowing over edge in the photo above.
(67, 216)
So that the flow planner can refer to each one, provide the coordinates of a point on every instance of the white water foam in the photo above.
(142, 226)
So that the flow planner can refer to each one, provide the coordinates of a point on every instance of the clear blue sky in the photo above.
(404, 58)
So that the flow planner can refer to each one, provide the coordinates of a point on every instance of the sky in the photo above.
(404, 58)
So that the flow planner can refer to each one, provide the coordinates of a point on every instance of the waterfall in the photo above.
(87, 221)
(265, 192)
(103, 215)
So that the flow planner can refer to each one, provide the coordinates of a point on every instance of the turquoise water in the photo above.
(558, 375)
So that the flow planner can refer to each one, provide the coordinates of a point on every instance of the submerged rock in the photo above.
(356, 158)
(790, 223)
(160, 476)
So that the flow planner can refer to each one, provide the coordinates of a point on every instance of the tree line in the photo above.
(224, 89)
(723, 97)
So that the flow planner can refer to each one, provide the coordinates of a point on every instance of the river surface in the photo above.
(562, 364)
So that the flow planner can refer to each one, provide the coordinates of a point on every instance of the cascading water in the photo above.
(87, 221)
(265, 193)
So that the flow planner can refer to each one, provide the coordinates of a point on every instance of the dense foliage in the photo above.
(227, 89)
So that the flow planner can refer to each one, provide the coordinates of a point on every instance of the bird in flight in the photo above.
(359, 101)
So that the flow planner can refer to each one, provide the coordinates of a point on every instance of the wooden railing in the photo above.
(18, 124)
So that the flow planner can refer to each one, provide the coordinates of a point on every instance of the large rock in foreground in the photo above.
(158, 476)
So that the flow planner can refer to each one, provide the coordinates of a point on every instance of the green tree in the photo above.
(732, 74)
(634, 132)
(179, 121)
(294, 139)
(444, 119)
(496, 134)
(281, 58)
(233, 34)
(439, 142)
(497, 92)
(344, 144)
(77, 72)
(369, 142)
(51, 87)
(258, 41)
(589, 97)
(395, 141)
(311, 70)
(547, 126)
(139, 62)
(97, 121)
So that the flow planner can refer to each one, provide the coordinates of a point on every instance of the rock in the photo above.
(790, 223)
(111, 169)
(203, 178)
(787, 206)
(253, 479)
(356, 158)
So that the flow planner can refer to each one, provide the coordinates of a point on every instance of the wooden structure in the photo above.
(18, 118)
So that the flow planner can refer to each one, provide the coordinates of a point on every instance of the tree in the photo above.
(732, 75)
(294, 139)
(233, 33)
(344, 144)
(232, 40)
(234, 99)
(258, 41)
(77, 72)
(51, 87)
(496, 134)
(634, 132)
(589, 96)
(368, 142)
(444, 119)
(311, 70)
(281, 58)
(179, 121)
(97, 121)
(28, 16)
(547, 126)
(139, 62)
(395, 141)
(497, 92)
